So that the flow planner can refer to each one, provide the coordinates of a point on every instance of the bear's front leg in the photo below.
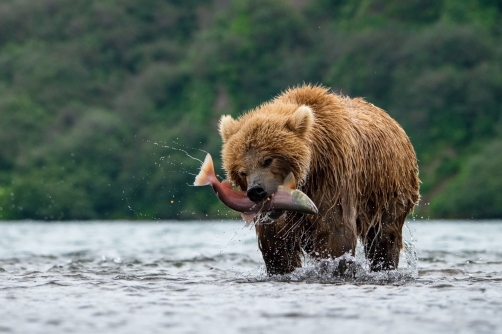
(279, 247)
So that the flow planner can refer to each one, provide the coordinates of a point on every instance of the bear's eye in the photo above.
(242, 174)
(267, 162)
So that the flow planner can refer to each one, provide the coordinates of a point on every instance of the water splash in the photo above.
(181, 150)
(350, 269)
(409, 253)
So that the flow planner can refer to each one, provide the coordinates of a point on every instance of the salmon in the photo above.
(286, 198)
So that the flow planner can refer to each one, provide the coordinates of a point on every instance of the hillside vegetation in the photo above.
(104, 103)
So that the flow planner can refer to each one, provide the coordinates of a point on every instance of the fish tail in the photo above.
(206, 175)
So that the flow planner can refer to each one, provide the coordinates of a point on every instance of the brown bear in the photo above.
(351, 158)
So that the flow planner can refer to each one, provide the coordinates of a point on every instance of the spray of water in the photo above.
(175, 146)
(179, 149)
(350, 269)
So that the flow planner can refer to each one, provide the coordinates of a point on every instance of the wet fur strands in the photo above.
(351, 158)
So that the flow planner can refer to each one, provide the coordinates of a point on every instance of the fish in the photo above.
(286, 197)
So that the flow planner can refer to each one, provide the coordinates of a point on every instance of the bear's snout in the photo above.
(257, 193)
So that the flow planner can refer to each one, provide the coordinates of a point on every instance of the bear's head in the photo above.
(263, 146)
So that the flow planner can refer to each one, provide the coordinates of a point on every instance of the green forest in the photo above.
(105, 106)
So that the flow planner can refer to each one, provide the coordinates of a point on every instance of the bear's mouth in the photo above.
(275, 214)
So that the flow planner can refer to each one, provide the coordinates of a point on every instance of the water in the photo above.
(208, 277)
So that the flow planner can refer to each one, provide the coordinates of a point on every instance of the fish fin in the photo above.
(227, 184)
(289, 181)
(206, 175)
(248, 217)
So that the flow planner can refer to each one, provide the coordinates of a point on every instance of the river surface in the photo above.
(209, 277)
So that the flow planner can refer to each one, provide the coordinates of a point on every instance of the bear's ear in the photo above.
(300, 122)
(228, 126)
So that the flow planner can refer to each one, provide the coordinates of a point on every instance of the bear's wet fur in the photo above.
(351, 158)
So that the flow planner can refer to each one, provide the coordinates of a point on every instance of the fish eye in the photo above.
(267, 162)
